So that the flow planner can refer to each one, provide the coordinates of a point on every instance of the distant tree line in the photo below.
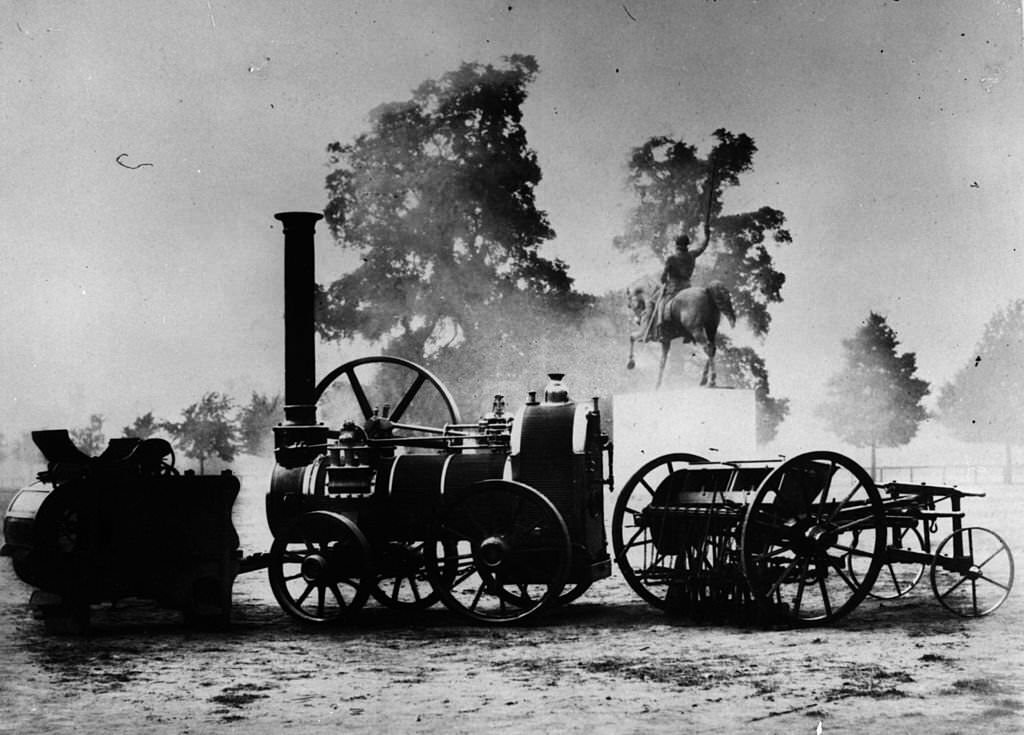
(876, 397)
(213, 427)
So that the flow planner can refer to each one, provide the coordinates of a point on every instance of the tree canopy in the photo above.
(438, 201)
(256, 421)
(143, 426)
(206, 430)
(984, 401)
(90, 439)
(875, 399)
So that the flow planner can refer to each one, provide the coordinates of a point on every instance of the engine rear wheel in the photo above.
(509, 549)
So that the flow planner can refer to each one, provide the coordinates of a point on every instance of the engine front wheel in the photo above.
(320, 568)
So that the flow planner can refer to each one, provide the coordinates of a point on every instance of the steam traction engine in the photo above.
(498, 519)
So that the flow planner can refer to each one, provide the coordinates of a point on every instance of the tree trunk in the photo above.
(874, 476)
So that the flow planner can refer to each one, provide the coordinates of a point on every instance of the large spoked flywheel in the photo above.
(402, 391)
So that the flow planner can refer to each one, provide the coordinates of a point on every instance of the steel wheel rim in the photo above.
(799, 534)
(988, 551)
(508, 566)
(643, 567)
(319, 568)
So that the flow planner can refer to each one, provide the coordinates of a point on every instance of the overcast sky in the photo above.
(888, 132)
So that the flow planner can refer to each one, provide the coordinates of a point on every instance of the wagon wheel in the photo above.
(320, 568)
(800, 537)
(510, 550)
(415, 396)
(976, 575)
(646, 570)
(574, 591)
(896, 578)
(402, 579)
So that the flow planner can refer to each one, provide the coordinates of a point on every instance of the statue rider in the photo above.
(674, 278)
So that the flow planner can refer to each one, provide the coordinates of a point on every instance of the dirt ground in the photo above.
(605, 664)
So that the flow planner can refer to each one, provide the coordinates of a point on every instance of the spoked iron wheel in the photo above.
(415, 397)
(897, 576)
(509, 549)
(402, 579)
(646, 568)
(807, 525)
(320, 570)
(972, 572)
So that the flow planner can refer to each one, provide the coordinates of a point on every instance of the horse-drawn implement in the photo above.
(798, 541)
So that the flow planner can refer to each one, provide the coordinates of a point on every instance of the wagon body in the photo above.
(120, 526)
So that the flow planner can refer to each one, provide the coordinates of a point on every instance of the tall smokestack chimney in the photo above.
(299, 302)
(299, 439)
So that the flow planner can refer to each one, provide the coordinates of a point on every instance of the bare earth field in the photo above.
(607, 663)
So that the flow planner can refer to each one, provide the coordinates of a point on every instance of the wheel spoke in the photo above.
(823, 508)
(782, 577)
(824, 596)
(849, 583)
(406, 400)
(952, 588)
(302, 598)
(337, 595)
(800, 587)
(479, 594)
(359, 392)
(990, 557)
(995, 582)
(844, 501)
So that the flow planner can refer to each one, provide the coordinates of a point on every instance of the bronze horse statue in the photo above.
(693, 315)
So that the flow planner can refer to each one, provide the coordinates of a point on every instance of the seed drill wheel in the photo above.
(502, 553)
(972, 572)
(646, 569)
(813, 517)
(896, 578)
(414, 394)
(320, 569)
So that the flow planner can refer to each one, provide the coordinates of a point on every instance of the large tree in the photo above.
(206, 430)
(256, 422)
(875, 399)
(984, 402)
(90, 439)
(437, 199)
(143, 426)
(679, 192)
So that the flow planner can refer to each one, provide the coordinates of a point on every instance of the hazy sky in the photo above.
(888, 132)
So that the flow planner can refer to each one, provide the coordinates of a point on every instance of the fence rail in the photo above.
(951, 473)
